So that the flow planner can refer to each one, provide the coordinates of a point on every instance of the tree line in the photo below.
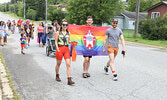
(76, 10)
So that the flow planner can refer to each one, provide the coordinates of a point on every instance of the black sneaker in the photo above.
(106, 70)
(115, 77)
(22, 52)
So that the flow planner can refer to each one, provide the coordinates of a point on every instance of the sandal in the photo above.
(85, 75)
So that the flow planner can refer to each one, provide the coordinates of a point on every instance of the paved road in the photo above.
(142, 74)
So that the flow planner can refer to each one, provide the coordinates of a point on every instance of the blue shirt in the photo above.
(23, 40)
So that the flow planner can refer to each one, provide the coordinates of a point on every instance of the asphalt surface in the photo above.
(142, 74)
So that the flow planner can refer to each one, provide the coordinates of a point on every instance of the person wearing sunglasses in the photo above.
(112, 39)
(61, 41)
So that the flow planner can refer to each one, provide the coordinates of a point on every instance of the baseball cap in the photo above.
(115, 20)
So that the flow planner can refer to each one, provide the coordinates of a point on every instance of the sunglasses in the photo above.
(65, 24)
(115, 23)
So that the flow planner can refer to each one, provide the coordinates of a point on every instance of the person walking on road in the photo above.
(56, 25)
(2, 33)
(13, 24)
(50, 33)
(40, 33)
(19, 22)
(61, 41)
(86, 62)
(23, 42)
(112, 39)
(9, 25)
(28, 30)
(44, 37)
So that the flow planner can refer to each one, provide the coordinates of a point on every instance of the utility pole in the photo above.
(15, 6)
(24, 9)
(46, 3)
(137, 17)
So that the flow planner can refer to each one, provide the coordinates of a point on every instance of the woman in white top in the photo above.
(2, 33)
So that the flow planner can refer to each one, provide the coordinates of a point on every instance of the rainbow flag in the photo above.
(90, 39)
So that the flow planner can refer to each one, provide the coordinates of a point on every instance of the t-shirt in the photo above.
(40, 29)
(113, 36)
(50, 34)
(23, 40)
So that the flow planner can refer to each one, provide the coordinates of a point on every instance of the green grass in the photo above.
(15, 16)
(16, 96)
(128, 35)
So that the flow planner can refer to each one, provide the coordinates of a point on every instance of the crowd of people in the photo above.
(62, 36)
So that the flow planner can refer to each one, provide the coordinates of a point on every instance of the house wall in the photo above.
(131, 24)
(126, 23)
(120, 23)
(162, 9)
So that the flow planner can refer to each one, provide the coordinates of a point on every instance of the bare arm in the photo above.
(56, 40)
(104, 42)
(123, 42)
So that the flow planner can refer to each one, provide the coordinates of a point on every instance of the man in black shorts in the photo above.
(86, 62)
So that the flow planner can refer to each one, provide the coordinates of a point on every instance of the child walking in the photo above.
(23, 42)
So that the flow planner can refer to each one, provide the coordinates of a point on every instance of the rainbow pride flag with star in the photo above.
(90, 39)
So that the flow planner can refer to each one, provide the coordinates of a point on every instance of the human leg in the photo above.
(86, 65)
(59, 57)
(68, 64)
(39, 37)
(43, 41)
(2, 41)
(57, 70)
(5, 40)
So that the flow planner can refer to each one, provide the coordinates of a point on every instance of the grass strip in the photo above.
(16, 96)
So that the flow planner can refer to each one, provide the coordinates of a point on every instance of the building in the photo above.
(157, 10)
(126, 20)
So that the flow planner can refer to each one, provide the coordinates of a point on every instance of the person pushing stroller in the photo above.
(50, 34)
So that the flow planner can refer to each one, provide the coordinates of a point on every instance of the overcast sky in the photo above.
(2, 1)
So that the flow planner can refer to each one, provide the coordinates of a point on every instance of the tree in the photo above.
(38, 6)
(21, 11)
(31, 14)
(144, 4)
(100, 10)
(55, 13)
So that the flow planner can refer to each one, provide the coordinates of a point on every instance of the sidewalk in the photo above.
(145, 45)
(5, 91)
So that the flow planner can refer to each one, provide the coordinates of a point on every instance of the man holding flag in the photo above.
(86, 62)
(112, 39)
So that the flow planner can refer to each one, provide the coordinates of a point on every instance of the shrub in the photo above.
(153, 29)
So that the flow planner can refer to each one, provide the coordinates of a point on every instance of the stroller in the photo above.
(50, 48)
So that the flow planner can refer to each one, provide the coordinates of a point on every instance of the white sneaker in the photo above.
(106, 70)
(115, 77)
